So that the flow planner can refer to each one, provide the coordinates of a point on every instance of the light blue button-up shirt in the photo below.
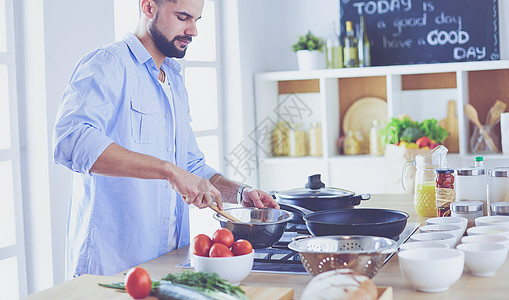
(114, 96)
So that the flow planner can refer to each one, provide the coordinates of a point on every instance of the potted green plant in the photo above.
(309, 49)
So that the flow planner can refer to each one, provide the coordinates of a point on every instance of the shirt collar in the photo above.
(142, 54)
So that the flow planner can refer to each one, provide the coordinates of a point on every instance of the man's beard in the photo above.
(166, 47)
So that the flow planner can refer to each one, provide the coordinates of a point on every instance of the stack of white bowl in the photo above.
(430, 263)
(486, 245)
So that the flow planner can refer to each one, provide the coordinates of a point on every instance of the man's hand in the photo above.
(257, 198)
(196, 190)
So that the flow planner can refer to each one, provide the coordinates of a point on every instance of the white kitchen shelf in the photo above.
(330, 92)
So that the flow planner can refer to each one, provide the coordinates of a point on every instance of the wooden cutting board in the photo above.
(86, 287)
(450, 123)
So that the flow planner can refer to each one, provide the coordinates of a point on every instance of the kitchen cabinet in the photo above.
(420, 91)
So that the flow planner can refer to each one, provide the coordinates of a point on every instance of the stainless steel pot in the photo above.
(262, 227)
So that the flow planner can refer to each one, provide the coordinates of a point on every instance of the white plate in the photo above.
(361, 114)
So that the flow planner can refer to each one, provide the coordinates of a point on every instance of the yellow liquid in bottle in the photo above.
(425, 201)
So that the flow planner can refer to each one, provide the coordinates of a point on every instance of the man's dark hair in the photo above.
(158, 2)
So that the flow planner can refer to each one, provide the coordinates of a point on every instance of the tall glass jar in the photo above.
(315, 139)
(280, 139)
(498, 184)
(297, 140)
(375, 143)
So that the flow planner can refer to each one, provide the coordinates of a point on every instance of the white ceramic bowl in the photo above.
(457, 230)
(416, 245)
(431, 269)
(492, 220)
(448, 220)
(443, 237)
(232, 268)
(486, 238)
(483, 259)
(489, 229)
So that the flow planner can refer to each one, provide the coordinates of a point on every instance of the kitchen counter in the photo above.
(468, 287)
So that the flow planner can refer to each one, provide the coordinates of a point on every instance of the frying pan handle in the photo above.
(295, 209)
(356, 200)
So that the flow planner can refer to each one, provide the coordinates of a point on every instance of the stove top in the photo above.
(280, 259)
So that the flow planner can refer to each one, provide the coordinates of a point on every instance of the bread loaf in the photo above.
(341, 284)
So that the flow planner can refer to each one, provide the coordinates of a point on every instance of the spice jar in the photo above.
(351, 145)
(498, 184)
(297, 140)
(280, 139)
(472, 185)
(315, 139)
(467, 209)
(444, 191)
(499, 209)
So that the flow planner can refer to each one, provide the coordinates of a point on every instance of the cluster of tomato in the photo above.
(222, 244)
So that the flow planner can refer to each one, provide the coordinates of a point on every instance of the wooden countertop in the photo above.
(468, 287)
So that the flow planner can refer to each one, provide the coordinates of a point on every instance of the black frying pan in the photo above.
(355, 221)
(359, 221)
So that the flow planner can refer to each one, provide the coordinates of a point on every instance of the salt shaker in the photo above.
(499, 209)
(467, 209)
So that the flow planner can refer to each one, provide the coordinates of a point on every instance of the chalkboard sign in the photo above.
(419, 31)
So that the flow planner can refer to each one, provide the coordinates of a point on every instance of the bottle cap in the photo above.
(444, 171)
(479, 158)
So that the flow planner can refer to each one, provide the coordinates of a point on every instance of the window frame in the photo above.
(12, 154)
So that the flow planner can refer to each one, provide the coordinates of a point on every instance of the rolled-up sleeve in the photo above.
(196, 160)
(87, 105)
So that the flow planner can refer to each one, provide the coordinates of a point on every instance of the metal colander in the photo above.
(362, 254)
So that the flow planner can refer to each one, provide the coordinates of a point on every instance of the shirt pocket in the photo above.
(143, 121)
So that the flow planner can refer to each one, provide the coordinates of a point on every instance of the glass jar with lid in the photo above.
(444, 191)
(472, 185)
(498, 184)
(297, 140)
(467, 209)
(315, 139)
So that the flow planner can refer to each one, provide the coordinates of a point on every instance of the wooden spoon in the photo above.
(472, 114)
(224, 214)
(495, 111)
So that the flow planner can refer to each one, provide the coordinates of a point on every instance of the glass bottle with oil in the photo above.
(350, 58)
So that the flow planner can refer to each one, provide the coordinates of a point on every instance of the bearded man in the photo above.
(123, 129)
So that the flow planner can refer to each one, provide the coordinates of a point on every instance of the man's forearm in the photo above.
(228, 188)
(120, 162)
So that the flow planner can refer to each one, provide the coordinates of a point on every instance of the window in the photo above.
(12, 253)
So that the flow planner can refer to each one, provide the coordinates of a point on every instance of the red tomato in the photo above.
(241, 247)
(138, 283)
(219, 250)
(223, 236)
(201, 245)
(423, 141)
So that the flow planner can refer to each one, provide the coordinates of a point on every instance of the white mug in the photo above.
(504, 130)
